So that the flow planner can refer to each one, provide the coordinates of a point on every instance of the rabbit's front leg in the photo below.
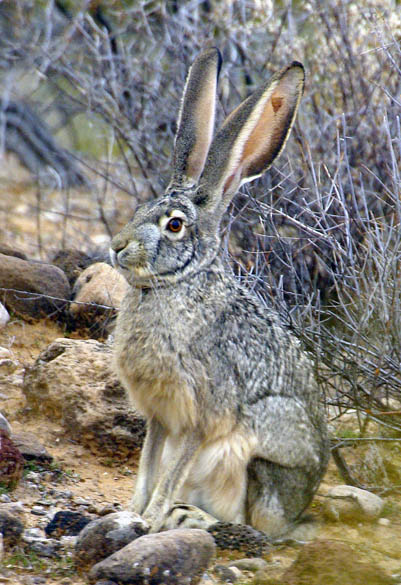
(174, 474)
(149, 464)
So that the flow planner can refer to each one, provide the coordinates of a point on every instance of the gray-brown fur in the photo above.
(235, 424)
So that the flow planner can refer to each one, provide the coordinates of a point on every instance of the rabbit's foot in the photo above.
(183, 515)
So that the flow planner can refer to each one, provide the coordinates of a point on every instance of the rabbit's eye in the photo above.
(175, 225)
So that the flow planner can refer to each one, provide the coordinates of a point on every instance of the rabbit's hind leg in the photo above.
(276, 496)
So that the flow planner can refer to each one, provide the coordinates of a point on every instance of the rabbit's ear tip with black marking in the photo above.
(195, 124)
(252, 136)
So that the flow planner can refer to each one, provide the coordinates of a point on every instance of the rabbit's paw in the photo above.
(183, 515)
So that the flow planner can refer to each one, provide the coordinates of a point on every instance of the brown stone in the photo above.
(32, 290)
(72, 381)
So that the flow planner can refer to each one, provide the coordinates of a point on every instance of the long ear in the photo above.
(252, 136)
(196, 119)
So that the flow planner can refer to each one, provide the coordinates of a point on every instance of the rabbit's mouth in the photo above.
(132, 266)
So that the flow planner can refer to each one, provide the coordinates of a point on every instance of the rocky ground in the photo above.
(80, 444)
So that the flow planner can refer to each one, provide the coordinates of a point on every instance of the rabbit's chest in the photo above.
(151, 345)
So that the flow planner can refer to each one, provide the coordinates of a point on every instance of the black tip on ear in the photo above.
(219, 62)
(219, 59)
(297, 64)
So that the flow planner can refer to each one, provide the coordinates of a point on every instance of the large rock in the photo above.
(34, 290)
(97, 293)
(345, 502)
(326, 562)
(175, 557)
(104, 536)
(72, 381)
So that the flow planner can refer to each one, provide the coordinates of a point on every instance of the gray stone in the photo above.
(72, 381)
(31, 448)
(345, 502)
(38, 511)
(174, 557)
(252, 564)
(45, 547)
(227, 574)
(104, 536)
(34, 283)
(11, 527)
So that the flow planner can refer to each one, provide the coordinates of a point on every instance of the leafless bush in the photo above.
(319, 237)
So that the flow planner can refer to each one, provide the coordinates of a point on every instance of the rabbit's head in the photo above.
(175, 235)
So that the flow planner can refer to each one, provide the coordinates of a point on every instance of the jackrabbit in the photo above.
(235, 425)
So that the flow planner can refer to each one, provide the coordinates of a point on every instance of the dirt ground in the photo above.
(108, 483)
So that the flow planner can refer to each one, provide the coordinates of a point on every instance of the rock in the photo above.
(384, 521)
(251, 564)
(11, 527)
(72, 263)
(337, 563)
(43, 547)
(239, 537)
(106, 535)
(173, 557)
(72, 381)
(4, 316)
(34, 282)
(227, 574)
(31, 448)
(99, 285)
(7, 367)
(38, 511)
(66, 523)
(11, 462)
(345, 502)
(9, 251)
(5, 425)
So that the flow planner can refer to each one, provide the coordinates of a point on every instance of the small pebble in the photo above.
(227, 574)
(251, 564)
(81, 502)
(38, 511)
(384, 522)
(32, 533)
(68, 541)
(33, 476)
